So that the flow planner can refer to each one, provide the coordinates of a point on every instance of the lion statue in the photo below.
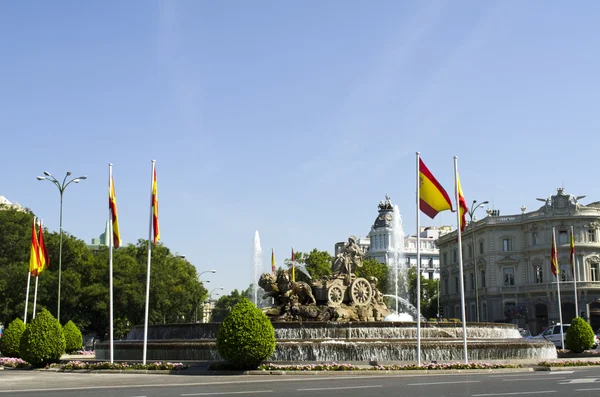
(288, 288)
(268, 282)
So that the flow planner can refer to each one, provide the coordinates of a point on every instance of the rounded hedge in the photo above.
(73, 337)
(43, 341)
(11, 338)
(580, 336)
(246, 337)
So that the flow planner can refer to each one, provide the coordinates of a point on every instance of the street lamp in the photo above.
(206, 271)
(472, 210)
(61, 188)
(210, 294)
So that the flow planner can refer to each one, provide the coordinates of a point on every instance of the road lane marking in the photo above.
(442, 383)
(597, 388)
(514, 394)
(547, 373)
(340, 388)
(228, 392)
(516, 380)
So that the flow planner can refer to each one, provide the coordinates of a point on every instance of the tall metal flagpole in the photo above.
(557, 275)
(28, 283)
(574, 262)
(460, 262)
(148, 269)
(418, 319)
(110, 262)
(35, 295)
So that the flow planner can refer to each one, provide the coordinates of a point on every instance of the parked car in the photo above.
(525, 334)
(552, 333)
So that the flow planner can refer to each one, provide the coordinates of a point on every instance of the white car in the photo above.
(552, 333)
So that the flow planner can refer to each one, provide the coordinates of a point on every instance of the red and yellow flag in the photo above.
(554, 258)
(42, 252)
(462, 205)
(112, 204)
(293, 266)
(572, 256)
(34, 258)
(155, 209)
(432, 196)
(273, 268)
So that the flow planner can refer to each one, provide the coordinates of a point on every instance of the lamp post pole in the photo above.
(61, 188)
(210, 303)
(206, 271)
(472, 210)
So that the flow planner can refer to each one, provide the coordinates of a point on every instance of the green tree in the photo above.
(317, 264)
(580, 336)
(225, 303)
(372, 268)
(429, 293)
(11, 338)
(246, 336)
(43, 341)
(73, 337)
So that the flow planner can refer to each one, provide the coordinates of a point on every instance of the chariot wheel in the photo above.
(361, 292)
(335, 295)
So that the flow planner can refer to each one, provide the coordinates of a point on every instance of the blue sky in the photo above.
(291, 118)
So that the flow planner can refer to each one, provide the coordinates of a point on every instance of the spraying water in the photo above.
(397, 256)
(258, 266)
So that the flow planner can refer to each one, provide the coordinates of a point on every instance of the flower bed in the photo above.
(404, 367)
(569, 363)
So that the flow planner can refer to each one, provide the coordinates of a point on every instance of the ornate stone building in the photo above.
(506, 262)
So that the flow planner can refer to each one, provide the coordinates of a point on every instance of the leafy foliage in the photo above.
(429, 293)
(580, 336)
(73, 337)
(317, 264)
(11, 338)
(372, 268)
(246, 336)
(43, 341)
(225, 303)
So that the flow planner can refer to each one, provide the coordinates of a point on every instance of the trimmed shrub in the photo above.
(246, 337)
(43, 342)
(11, 338)
(73, 337)
(580, 336)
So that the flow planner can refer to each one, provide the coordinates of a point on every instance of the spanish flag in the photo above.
(273, 268)
(554, 258)
(432, 196)
(34, 258)
(112, 204)
(462, 205)
(155, 209)
(43, 252)
(293, 266)
(572, 256)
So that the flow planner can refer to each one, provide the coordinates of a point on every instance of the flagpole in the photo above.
(557, 275)
(110, 238)
(460, 262)
(35, 295)
(27, 296)
(28, 282)
(418, 319)
(574, 265)
(148, 268)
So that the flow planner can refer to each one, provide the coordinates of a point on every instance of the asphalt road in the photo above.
(579, 382)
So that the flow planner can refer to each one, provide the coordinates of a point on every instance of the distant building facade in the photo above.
(101, 241)
(378, 243)
(506, 262)
(5, 203)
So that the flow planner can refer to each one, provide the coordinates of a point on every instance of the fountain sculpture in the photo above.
(337, 319)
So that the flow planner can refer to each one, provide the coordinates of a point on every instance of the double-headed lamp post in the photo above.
(213, 290)
(61, 188)
(471, 212)
(206, 271)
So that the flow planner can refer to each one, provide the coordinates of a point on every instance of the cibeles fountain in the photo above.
(341, 318)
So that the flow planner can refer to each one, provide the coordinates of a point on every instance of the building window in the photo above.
(446, 290)
(482, 281)
(470, 251)
(563, 237)
(484, 312)
(454, 255)
(472, 281)
(539, 274)
(456, 285)
(506, 245)
(473, 313)
(565, 270)
(509, 276)
(481, 247)
(430, 275)
(534, 238)
(591, 236)
(445, 258)
(595, 271)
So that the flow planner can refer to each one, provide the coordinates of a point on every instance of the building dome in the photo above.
(386, 214)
